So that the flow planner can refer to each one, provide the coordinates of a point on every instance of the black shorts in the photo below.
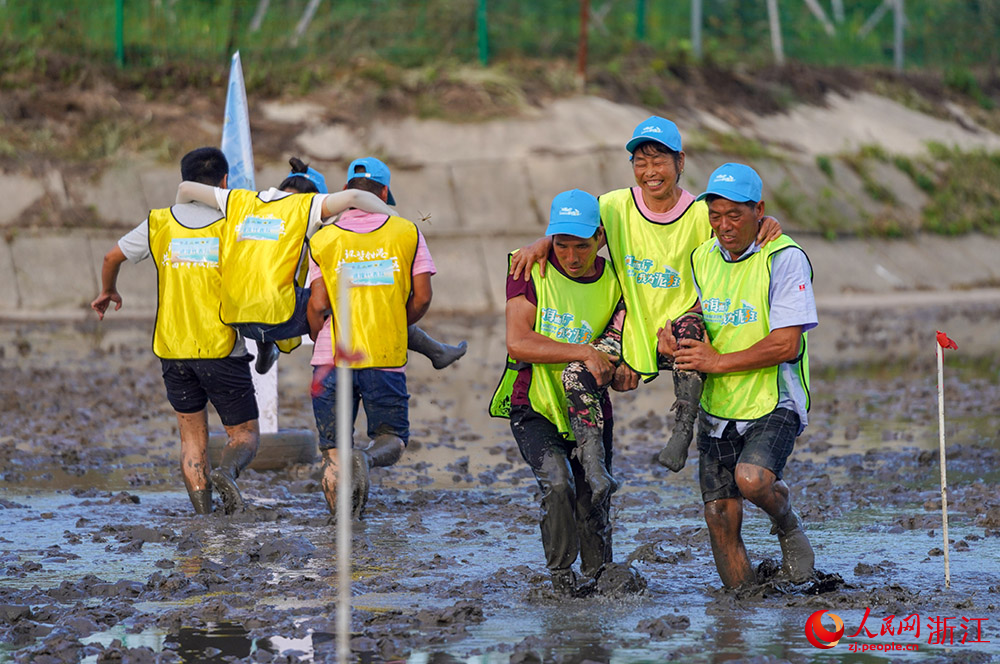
(766, 443)
(536, 436)
(226, 382)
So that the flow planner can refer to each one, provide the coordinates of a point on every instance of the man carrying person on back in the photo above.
(391, 269)
(202, 358)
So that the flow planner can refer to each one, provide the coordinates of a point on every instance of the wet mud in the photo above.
(103, 560)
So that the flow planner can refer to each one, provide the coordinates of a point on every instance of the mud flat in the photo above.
(101, 559)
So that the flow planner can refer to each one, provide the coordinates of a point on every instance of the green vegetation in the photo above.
(824, 164)
(411, 34)
(967, 197)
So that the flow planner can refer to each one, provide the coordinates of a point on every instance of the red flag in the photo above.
(945, 342)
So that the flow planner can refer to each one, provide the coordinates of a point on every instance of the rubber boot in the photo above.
(590, 452)
(564, 582)
(440, 355)
(202, 501)
(687, 390)
(234, 459)
(385, 450)
(797, 557)
(267, 355)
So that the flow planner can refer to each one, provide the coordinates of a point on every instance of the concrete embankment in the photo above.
(487, 188)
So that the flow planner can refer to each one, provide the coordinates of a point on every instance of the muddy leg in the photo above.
(593, 524)
(724, 518)
(586, 419)
(194, 459)
(239, 451)
(440, 354)
(687, 390)
(761, 487)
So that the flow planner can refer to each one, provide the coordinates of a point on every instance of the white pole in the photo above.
(345, 444)
(838, 10)
(818, 12)
(944, 472)
(266, 387)
(775, 21)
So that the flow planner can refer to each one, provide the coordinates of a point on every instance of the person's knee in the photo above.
(555, 481)
(754, 482)
(723, 514)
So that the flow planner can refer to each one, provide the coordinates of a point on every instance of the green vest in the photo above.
(653, 265)
(736, 307)
(568, 311)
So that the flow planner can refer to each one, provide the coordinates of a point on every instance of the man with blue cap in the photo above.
(566, 323)
(651, 229)
(391, 277)
(758, 305)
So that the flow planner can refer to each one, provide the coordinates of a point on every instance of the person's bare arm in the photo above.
(781, 345)
(339, 201)
(769, 230)
(526, 345)
(109, 282)
(536, 252)
(195, 192)
(420, 298)
(318, 307)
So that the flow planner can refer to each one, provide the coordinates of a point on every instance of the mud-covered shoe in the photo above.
(564, 582)
(797, 557)
(223, 481)
(360, 483)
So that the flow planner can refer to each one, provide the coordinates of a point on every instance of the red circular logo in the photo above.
(819, 635)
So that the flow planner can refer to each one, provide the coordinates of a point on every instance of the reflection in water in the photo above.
(214, 643)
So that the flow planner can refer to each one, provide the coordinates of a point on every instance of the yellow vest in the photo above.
(653, 263)
(736, 307)
(259, 253)
(568, 311)
(188, 285)
(381, 265)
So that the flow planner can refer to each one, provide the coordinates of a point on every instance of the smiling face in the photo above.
(657, 171)
(576, 254)
(735, 224)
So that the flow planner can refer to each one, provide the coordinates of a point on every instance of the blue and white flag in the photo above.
(236, 143)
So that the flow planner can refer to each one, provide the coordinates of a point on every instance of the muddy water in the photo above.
(102, 559)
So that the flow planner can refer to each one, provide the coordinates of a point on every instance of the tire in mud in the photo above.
(277, 450)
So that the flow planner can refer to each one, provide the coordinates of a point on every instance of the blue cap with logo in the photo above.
(313, 176)
(574, 212)
(656, 129)
(736, 182)
(373, 169)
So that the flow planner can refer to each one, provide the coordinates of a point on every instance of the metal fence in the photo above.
(135, 33)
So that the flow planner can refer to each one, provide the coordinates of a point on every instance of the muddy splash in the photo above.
(103, 561)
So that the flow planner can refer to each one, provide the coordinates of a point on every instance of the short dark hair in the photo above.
(205, 165)
(298, 183)
(653, 148)
(711, 198)
(365, 184)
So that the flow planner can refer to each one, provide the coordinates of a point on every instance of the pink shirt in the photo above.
(360, 221)
(673, 214)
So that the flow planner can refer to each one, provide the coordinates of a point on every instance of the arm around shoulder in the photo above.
(337, 202)
(195, 192)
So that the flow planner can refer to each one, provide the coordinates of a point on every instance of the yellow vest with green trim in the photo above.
(568, 311)
(653, 263)
(736, 307)
(188, 286)
(259, 253)
(381, 264)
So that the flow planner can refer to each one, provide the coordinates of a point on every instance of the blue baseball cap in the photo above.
(313, 176)
(373, 169)
(658, 130)
(574, 212)
(736, 182)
